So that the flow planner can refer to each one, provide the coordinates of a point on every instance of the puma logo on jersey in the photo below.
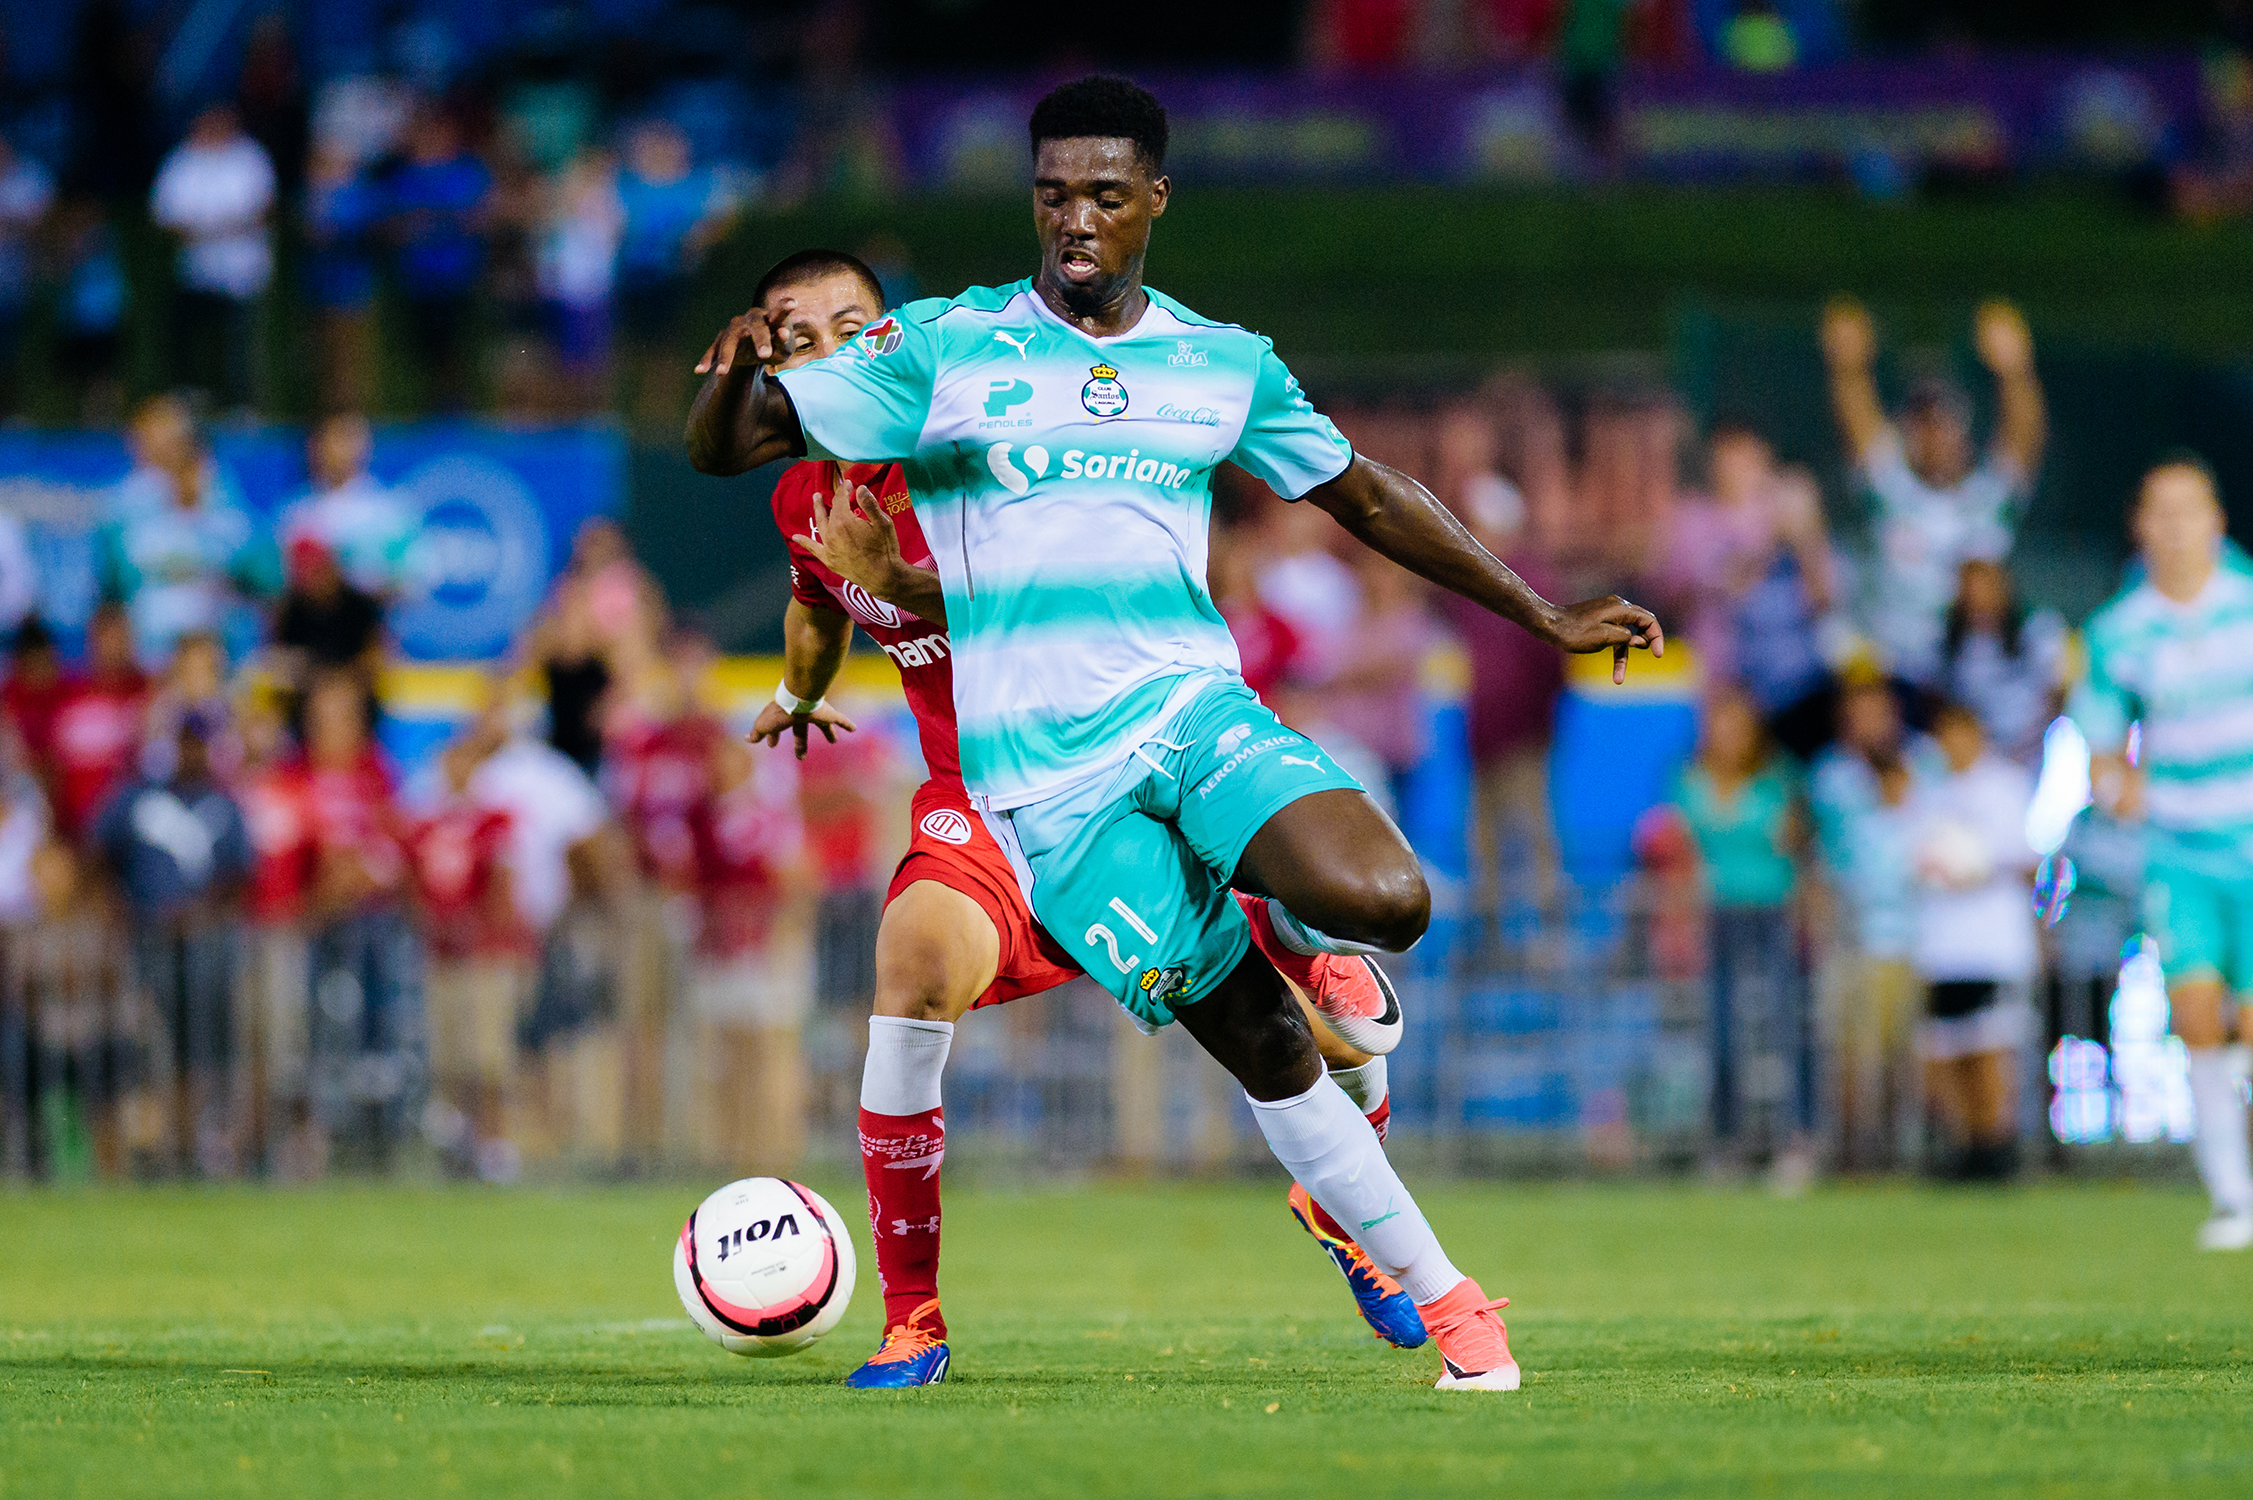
(1016, 344)
(1293, 760)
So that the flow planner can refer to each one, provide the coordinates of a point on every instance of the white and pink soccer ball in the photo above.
(764, 1267)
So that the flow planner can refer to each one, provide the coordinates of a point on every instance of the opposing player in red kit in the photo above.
(957, 933)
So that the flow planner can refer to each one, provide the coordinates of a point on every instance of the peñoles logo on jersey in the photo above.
(1103, 395)
(879, 339)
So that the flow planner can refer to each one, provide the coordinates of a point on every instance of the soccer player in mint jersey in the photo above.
(2175, 650)
(956, 933)
(1058, 437)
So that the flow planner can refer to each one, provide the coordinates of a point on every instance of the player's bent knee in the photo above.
(935, 954)
(1389, 906)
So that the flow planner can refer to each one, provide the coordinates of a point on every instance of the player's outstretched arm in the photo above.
(742, 417)
(1398, 517)
(854, 537)
(813, 648)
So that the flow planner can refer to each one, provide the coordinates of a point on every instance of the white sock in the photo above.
(905, 1058)
(1307, 941)
(2217, 1094)
(1364, 1085)
(1322, 1139)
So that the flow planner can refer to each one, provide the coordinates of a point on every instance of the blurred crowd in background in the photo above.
(592, 928)
(336, 208)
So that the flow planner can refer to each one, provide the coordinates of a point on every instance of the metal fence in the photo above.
(1574, 1041)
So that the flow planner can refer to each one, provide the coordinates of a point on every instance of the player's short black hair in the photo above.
(1100, 105)
(812, 265)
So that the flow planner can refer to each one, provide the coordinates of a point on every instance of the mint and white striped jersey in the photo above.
(1064, 485)
(2186, 671)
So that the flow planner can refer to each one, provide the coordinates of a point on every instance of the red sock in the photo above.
(900, 1156)
(1379, 1118)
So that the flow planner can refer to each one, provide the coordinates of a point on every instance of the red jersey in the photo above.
(458, 859)
(920, 649)
(97, 740)
(660, 778)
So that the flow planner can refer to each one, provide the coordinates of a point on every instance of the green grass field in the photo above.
(1132, 1342)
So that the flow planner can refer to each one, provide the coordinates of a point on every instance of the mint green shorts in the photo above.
(1130, 871)
(2198, 906)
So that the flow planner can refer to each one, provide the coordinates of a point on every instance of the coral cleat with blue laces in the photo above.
(1388, 1310)
(912, 1354)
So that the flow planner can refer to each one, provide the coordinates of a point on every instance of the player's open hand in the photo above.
(854, 538)
(1608, 624)
(750, 339)
(774, 721)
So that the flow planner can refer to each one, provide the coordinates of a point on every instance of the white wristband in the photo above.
(793, 705)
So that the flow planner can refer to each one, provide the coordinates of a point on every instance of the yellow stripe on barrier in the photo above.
(1672, 677)
(455, 689)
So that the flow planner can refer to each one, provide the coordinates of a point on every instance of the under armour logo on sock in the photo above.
(907, 1226)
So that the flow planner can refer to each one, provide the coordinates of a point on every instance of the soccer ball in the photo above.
(764, 1267)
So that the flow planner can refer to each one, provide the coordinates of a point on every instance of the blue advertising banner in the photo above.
(495, 512)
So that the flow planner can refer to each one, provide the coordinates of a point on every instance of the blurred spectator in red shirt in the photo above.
(1303, 581)
(478, 964)
(753, 981)
(1266, 645)
(657, 771)
(97, 728)
(274, 998)
(1376, 694)
(36, 689)
(367, 1019)
(842, 791)
(1515, 679)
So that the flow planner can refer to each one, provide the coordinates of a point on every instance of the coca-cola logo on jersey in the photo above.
(866, 607)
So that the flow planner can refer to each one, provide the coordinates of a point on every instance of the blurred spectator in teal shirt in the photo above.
(179, 550)
(1741, 802)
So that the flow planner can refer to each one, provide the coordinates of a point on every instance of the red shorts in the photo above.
(952, 846)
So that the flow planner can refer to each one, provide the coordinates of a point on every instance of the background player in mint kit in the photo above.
(1104, 729)
(2175, 650)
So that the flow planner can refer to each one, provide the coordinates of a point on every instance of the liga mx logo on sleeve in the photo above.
(480, 559)
(881, 338)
